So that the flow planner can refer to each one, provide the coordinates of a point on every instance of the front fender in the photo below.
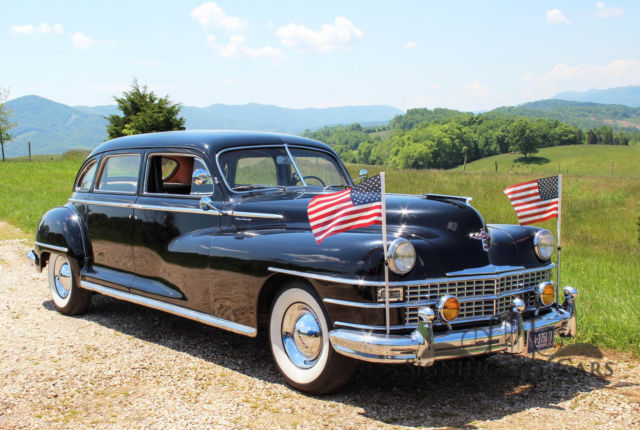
(61, 230)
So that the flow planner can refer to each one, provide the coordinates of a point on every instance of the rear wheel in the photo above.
(67, 296)
(299, 337)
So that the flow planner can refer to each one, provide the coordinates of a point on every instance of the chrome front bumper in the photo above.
(423, 347)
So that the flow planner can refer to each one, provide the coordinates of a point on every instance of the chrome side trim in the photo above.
(171, 308)
(368, 327)
(368, 305)
(176, 209)
(100, 203)
(53, 247)
(362, 282)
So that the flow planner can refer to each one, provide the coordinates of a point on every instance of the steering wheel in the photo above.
(316, 178)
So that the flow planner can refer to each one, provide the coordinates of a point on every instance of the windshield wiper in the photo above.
(256, 187)
(341, 186)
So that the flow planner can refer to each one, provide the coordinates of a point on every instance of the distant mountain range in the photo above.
(580, 114)
(629, 96)
(53, 128)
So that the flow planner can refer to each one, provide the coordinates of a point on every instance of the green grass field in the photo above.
(581, 160)
(601, 234)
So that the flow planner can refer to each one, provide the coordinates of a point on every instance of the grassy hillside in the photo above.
(600, 232)
(584, 160)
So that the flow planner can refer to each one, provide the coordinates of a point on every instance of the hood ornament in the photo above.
(483, 236)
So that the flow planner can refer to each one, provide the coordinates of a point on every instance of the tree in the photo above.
(5, 124)
(144, 112)
(524, 137)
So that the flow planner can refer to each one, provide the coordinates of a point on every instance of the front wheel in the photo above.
(68, 298)
(299, 337)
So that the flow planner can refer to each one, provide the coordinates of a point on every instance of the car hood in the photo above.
(446, 232)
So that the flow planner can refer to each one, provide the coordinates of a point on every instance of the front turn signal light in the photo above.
(547, 293)
(448, 308)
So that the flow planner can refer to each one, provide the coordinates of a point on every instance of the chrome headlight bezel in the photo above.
(544, 244)
(396, 262)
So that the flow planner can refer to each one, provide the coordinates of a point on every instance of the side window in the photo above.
(173, 174)
(120, 174)
(86, 177)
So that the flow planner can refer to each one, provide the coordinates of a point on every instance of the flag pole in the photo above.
(559, 225)
(384, 250)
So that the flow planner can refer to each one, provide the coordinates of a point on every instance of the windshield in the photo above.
(257, 168)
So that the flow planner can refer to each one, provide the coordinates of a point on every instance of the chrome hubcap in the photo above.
(62, 277)
(301, 335)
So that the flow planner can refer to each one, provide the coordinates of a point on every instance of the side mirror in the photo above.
(200, 177)
(363, 175)
(206, 204)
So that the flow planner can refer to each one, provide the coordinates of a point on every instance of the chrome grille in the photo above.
(494, 293)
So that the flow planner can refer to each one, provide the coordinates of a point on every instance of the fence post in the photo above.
(612, 164)
(496, 163)
(29, 144)
(464, 166)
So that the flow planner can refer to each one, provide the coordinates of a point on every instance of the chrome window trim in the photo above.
(285, 145)
(362, 282)
(76, 188)
(103, 163)
(171, 308)
(174, 154)
(295, 165)
(369, 327)
(53, 247)
(176, 209)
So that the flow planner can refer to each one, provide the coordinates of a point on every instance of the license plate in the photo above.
(540, 340)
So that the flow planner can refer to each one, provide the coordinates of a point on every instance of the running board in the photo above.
(171, 308)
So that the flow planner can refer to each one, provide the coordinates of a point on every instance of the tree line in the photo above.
(444, 138)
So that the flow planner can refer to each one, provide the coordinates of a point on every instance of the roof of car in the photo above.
(208, 141)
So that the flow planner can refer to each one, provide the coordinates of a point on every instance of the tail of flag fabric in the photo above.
(356, 207)
(535, 201)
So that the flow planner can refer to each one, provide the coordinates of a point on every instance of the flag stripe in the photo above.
(535, 201)
(317, 223)
(356, 207)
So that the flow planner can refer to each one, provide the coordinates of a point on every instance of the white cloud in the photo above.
(582, 77)
(82, 41)
(410, 45)
(43, 28)
(603, 12)
(554, 16)
(236, 48)
(342, 34)
(211, 15)
(433, 86)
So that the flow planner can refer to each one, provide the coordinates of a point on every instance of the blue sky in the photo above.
(471, 55)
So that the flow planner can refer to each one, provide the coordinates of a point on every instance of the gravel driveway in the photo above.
(122, 365)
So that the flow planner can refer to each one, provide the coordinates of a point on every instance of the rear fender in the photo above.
(62, 231)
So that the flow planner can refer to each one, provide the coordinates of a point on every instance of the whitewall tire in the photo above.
(68, 298)
(299, 337)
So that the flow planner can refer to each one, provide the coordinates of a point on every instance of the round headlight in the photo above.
(544, 244)
(448, 308)
(547, 293)
(402, 256)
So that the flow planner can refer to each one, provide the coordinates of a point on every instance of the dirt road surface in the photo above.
(122, 365)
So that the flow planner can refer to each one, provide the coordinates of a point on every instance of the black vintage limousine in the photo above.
(213, 226)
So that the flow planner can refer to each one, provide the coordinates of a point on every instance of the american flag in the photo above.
(535, 201)
(355, 207)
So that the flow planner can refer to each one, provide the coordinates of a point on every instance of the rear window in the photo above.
(120, 174)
